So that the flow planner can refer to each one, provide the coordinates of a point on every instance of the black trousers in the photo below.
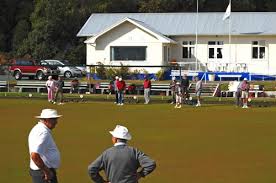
(117, 96)
(38, 176)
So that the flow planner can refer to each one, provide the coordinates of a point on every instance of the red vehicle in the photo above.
(29, 68)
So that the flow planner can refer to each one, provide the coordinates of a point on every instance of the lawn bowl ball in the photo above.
(190, 98)
(249, 100)
(134, 97)
(81, 96)
(30, 95)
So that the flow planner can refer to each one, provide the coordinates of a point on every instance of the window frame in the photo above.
(113, 56)
(215, 46)
(258, 45)
(189, 45)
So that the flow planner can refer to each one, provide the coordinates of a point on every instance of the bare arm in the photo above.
(40, 164)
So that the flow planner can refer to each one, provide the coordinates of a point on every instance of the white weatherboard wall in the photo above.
(126, 34)
(241, 52)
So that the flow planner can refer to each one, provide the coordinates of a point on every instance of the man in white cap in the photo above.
(244, 92)
(116, 89)
(121, 162)
(172, 86)
(198, 89)
(121, 85)
(185, 83)
(44, 154)
(178, 95)
(147, 88)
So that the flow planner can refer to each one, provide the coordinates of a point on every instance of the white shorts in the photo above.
(178, 99)
(244, 94)
(198, 93)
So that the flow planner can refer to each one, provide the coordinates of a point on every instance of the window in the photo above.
(24, 62)
(258, 49)
(215, 49)
(124, 53)
(188, 49)
(165, 52)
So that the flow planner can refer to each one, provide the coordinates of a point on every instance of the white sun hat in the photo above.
(120, 79)
(245, 79)
(48, 113)
(116, 77)
(121, 132)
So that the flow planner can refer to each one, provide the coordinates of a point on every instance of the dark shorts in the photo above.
(185, 90)
(38, 176)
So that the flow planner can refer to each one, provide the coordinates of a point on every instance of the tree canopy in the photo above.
(45, 29)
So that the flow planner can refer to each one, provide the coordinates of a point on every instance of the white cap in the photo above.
(120, 79)
(120, 132)
(116, 77)
(173, 78)
(177, 83)
(245, 79)
(50, 77)
(48, 113)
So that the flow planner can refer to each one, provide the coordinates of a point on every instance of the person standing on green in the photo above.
(121, 163)
(44, 154)
(59, 84)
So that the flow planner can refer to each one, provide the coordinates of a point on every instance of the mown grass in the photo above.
(211, 144)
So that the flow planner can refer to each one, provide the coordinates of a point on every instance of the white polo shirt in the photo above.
(41, 142)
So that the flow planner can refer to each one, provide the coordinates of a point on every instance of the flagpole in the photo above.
(229, 31)
(196, 35)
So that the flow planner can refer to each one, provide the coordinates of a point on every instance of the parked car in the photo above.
(65, 68)
(32, 69)
(83, 69)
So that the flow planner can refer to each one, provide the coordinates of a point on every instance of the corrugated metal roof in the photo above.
(153, 30)
(140, 24)
(169, 24)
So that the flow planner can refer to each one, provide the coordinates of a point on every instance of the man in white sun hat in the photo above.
(178, 95)
(245, 92)
(116, 89)
(121, 162)
(44, 154)
(172, 87)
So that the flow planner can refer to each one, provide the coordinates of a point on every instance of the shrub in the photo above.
(160, 74)
(110, 73)
(101, 71)
(124, 72)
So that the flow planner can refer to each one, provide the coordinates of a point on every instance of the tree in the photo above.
(52, 36)
(6, 21)
(48, 28)
(150, 6)
(22, 25)
(270, 5)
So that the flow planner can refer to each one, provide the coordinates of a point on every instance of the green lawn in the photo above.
(211, 144)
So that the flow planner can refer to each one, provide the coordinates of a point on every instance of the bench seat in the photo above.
(229, 76)
(38, 85)
(104, 86)
(3, 85)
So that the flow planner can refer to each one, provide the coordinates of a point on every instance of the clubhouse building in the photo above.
(200, 42)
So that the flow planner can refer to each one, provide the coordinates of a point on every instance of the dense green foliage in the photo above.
(48, 28)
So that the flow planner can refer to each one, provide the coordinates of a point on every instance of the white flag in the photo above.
(227, 12)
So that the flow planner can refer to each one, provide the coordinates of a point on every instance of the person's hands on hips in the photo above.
(48, 174)
(138, 176)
